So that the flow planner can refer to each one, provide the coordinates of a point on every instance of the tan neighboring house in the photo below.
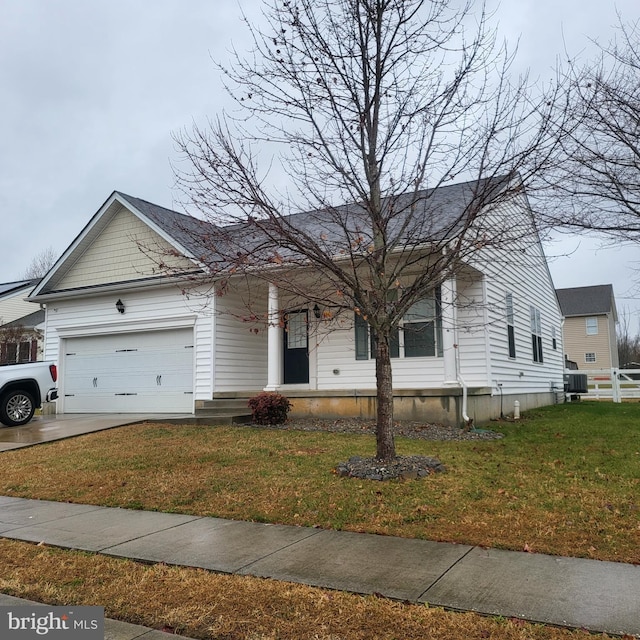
(21, 328)
(589, 330)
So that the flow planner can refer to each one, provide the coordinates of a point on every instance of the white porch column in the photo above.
(449, 331)
(274, 342)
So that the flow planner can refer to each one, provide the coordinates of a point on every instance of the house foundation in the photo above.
(442, 406)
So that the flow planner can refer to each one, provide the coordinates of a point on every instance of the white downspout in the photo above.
(451, 348)
(467, 420)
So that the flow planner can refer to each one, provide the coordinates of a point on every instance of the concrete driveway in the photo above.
(57, 427)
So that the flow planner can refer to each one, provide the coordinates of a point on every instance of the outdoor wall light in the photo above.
(316, 311)
(120, 306)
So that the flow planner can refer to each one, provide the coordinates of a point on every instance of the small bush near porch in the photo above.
(564, 480)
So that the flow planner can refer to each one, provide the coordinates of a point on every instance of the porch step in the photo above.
(223, 411)
(211, 419)
(225, 404)
(218, 417)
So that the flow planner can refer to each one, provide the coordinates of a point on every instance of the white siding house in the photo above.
(129, 337)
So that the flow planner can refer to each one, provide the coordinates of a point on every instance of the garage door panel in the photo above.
(137, 372)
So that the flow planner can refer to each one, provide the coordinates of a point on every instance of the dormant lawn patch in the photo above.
(564, 480)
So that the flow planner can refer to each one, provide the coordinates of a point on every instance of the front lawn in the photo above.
(565, 480)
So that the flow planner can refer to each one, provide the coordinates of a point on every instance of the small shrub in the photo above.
(269, 408)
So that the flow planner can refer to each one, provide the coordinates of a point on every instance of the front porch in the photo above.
(443, 405)
(326, 366)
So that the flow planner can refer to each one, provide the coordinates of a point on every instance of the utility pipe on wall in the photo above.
(467, 420)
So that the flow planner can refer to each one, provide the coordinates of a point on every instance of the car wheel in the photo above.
(16, 408)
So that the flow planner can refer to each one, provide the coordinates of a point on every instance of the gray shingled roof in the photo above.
(189, 232)
(11, 287)
(432, 214)
(586, 301)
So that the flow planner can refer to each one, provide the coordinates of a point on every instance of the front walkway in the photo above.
(573, 592)
(58, 427)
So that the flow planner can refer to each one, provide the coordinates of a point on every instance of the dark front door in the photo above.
(296, 348)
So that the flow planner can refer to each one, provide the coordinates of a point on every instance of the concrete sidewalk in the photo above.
(598, 596)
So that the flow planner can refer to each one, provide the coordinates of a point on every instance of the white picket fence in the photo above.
(611, 384)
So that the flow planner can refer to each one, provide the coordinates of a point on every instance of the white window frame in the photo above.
(536, 335)
(414, 315)
(511, 327)
(590, 360)
(591, 325)
(423, 313)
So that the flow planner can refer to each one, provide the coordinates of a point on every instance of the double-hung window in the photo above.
(592, 326)
(511, 329)
(536, 335)
(419, 328)
(365, 338)
(419, 333)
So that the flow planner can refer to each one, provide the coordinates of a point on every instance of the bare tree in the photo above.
(628, 344)
(362, 108)
(40, 264)
(596, 183)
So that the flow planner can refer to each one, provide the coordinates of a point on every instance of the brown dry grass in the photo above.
(200, 604)
(565, 482)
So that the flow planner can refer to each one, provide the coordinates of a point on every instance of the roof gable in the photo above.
(120, 244)
(587, 301)
(111, 248)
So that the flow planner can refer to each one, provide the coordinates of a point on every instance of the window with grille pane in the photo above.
(421, 331)
(536, 335)
(592, 326)
(511, 329)
(11, 352)
(24, 352)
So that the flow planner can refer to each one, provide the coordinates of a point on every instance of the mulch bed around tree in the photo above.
(418, 430)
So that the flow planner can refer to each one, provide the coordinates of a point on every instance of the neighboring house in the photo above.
(128, 339)
(589, 328)
(20, 327)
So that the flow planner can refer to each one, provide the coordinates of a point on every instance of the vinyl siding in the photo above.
(240, 347)
(336, 351)
(518, 266)
(119, 253)
(577, 342)
(472, 331)
(14, 306)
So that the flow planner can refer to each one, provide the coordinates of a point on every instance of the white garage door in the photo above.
(131, 372)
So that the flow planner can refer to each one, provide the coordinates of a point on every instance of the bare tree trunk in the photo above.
(386, 448)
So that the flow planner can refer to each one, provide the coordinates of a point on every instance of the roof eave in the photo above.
(113, 287)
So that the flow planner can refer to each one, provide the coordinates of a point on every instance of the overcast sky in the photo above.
(91, 92)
